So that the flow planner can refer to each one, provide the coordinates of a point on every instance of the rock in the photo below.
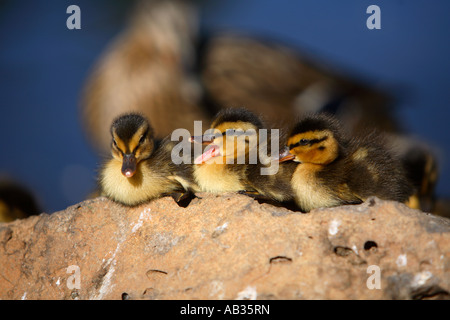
(225, 246)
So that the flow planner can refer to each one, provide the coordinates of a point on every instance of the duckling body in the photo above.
(137, 172)
(272, 179)
(148, 183)
(335, 170)
(217, 178)
(275, 187)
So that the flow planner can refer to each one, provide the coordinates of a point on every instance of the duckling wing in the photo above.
(248, 188)
(348, 196)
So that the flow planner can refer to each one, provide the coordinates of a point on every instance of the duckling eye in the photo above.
(142, 139)
(304, 142)
(114, 143)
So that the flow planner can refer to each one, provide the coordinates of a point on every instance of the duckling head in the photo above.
(315, 139)
(233, 133)
(132, 141)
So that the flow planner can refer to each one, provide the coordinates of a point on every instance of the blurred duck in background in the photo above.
(159, 67)
(283, 85)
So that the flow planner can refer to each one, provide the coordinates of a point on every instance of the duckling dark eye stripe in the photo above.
(235, 133)
(144, 135)
(308, 142)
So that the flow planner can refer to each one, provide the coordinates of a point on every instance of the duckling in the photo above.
(16, 202)
(139, 170)
(422, 169)
(237, 137)
(335, 170)
(223, 165)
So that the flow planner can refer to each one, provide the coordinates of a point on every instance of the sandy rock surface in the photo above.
(226, 247)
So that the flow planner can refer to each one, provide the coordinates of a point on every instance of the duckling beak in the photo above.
(129, 165)
(211, 151)
(285, 155)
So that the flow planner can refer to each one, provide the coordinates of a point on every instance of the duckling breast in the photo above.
(217, 178)
(143, 186)
(309, 191)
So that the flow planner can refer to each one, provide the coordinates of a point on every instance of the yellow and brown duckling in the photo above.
(233, 160)
(335, 170)
(139, 170)
(222, 167)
